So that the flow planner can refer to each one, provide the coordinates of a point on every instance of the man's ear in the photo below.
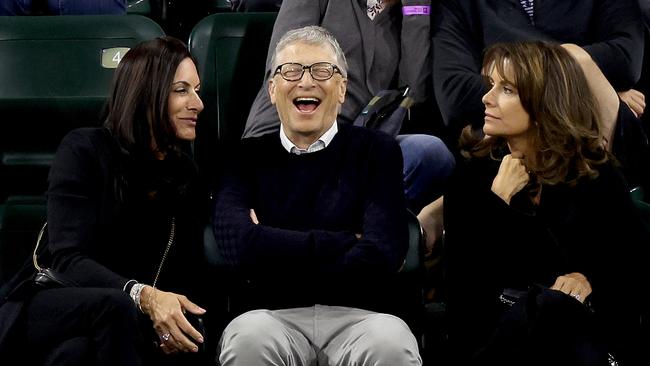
(272, 91)
(343, 87)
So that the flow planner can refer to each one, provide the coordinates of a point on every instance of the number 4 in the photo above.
(117, 57)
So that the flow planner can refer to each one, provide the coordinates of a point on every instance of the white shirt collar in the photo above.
(319, 144)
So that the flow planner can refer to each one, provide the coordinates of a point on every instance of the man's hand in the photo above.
(635, 100)
(573, 284)
(511, 178)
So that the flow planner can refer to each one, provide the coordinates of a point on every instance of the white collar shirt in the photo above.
(318, 145)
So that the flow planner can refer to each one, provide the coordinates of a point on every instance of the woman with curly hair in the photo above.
(542, 240)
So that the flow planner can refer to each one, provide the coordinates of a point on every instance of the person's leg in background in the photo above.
(427, 165)
(85, 7)
(15, 7)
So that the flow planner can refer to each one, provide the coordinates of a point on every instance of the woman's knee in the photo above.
(112, 306)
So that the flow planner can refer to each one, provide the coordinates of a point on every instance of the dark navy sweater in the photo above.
(304, 250)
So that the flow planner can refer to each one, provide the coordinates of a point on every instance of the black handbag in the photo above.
(46, 277)
(536, 315)
(386, 111)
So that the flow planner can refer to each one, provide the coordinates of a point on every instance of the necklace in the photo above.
(172, 233)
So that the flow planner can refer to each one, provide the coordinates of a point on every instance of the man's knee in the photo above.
(258, 338)
(251, 330)
(387, 340)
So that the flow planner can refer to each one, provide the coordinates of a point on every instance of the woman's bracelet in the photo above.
(148, 302)
(128, 285)
(135, 292)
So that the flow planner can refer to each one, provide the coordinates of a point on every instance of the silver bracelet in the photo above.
(136, 290)
(127, 285)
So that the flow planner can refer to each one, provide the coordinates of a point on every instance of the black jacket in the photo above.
(109, 220)
(592, 228)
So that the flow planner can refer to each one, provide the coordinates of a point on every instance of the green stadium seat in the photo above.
(230, 49)
(55, 73)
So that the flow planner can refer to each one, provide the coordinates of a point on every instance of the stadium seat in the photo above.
(55, 73)
(231, 52)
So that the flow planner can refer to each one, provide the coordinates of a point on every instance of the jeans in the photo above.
(427, 166)
(64, 7)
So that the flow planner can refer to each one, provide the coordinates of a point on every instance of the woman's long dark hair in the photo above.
(136, 113)
(138, 119)
(552, 87)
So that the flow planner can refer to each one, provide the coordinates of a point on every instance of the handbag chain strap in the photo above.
(38, 243)
(172, 233)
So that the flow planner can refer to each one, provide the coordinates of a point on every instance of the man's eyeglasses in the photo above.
(320, 71)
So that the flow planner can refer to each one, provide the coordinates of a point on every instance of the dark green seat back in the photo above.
(231, 52)
(52, 81)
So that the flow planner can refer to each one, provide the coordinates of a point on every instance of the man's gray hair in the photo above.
(312, 35)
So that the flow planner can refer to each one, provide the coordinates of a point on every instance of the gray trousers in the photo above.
(318, 336)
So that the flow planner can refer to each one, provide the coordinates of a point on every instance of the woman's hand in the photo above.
(431, 220)
(573, 284)
(635, 100)
(166, 310)
(511, 178)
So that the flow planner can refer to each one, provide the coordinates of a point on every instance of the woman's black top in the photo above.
(592, 228)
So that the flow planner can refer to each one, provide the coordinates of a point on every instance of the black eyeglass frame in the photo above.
(335, 69)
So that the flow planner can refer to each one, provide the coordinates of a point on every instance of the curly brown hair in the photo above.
(552, 87)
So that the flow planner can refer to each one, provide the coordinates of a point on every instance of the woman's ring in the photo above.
(577, 297)
(165, 337)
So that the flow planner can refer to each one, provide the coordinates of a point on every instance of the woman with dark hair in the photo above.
(124, 223)
(542, 240)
